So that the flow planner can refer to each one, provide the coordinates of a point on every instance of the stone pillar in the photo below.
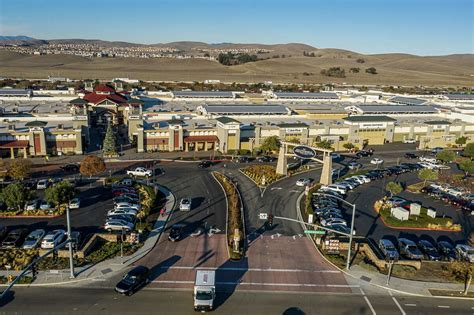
(140, 140)
(205, 145)
(78, 149)
(326, 177)
(43, 143)
(282, 168)
(12, 153)
(25, 152)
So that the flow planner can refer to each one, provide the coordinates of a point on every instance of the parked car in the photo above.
(409, 140)
(15, 238)
(410, 156)
(446, 249)
(436, 150)
(409, 249)
(266, 159)
(429, 250)
(204, 164)
(70, 168)
(75, 203)
(332, 221)
(42, 184)
(125, 198)
(124, 217)
(126, 205)
(376, 161)
(335, 156)
(176, 232)
(341, 228)
(320, 212)
(133, 280)
(465, 252)
(44, 205)
(303, 182)
(76, 238)
(330, 215)
(118, 225)
(140, 171)
(354, 165)
(339, 189)
(364, 153)
(395, 201)
(428, 159)
(3, 231)
(388, 249)
(31, 205)
(33, 239)
(185, 204)
(52, 239)
(127, 211)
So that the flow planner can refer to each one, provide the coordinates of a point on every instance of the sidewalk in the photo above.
(401, 285)
(98, 272)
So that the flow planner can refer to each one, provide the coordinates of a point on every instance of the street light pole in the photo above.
(71, 261)
(348, 262)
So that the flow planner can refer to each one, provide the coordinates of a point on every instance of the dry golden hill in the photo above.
(393, 69)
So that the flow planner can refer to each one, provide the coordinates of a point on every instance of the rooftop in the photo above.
(407, 100)
(369, 118)
(246, 109)
(203, 94)
(397, 109)
(227, 120)
(304, 95)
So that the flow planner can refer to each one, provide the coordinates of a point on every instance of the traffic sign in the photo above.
(319, 232)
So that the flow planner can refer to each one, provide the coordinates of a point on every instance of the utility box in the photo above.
(415, 208)
(400, 213)
(310, 218)
(431, 213)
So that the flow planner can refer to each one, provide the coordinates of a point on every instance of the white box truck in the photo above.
(204, 290)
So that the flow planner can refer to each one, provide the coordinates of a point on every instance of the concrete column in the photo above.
(43, 143)
(326, 177)
(205, 145)
(140, 140)
(78, 149)
(25, 153)
(171, 140)
(12, 153)
(186, 146)
(282, 168)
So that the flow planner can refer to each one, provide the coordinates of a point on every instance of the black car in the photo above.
(176, 232)
(446, 249)
(265, 159)
(429, 250)
(363, 153)
(204, 164)
(410, 156)
(70, 168)
(3, 231)
(244, 159)
(133, 280)
(15, 238)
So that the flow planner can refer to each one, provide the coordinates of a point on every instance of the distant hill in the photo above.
(20, 40)
(284, 63)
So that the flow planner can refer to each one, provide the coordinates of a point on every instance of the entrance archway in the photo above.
(311, 154)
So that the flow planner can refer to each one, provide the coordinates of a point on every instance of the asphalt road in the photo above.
(105, 300)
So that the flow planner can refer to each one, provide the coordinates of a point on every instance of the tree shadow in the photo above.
(293, 311)
(161, 268)
(7, 298)
(230, 275)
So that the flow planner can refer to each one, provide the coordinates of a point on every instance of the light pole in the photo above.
(71, 261)
(349, 250)
(121, 245)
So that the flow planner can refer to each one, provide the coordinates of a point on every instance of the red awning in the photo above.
(201, 139)
(14, 144)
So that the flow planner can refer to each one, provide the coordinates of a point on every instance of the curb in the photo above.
(298, 209)
(226, 212)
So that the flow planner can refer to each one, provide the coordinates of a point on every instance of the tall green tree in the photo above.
(59, 193)
(467, 166)
(110, 142)
(15, 196)
(469, 150)
(270, 144)
(461, 141)
(325, 144)
(426, 174)
(393, 188)
(446, 156)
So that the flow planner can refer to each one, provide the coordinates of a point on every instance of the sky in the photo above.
(422, 27)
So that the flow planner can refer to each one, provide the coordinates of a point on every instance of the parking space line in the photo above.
(249, 269)
(410, 304)
(444, 306)
(368, 302)
(398, 305)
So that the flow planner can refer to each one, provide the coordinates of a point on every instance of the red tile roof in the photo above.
(201, 138)
(95, 98)
(104, 88)
(14, 144)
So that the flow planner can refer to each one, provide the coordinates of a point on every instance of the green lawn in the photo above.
(421, 221)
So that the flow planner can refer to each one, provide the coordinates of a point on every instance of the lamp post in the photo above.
(349, 250)
(71, 261)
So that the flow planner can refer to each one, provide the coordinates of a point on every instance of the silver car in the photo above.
(33, 239)
(388, 249)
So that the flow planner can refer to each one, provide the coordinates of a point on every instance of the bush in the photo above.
(336, 72)
(257, 172)
(371, 70)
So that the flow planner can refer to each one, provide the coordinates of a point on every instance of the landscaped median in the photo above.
(418, 222)
(265, 175)
(235, 224)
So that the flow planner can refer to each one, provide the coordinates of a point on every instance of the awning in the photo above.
(201, 139)
(14, 144)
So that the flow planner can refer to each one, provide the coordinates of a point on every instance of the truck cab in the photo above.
(204, 290)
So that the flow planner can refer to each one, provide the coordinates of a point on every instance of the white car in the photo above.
(75, 203)
(140, 171)
(363, 178)
(125, 205)
(358, 179)
(118, 225)
(339, 189)
(333, 221)
(33, 239)
(53, 239)
(429, 165)
(354, 165)
(31, 205)
(465, 252)
(185, 204)
(409, 141)
(376, 161)
(44, 205)
(428, 159)
(42, 184)
(303, 182)
(127, 211)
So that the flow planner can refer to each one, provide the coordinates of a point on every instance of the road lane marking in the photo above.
(368, 302)
(444, 306)
(249, 269)
(410, 304)
(276, 188)
(264, 284)
(398, 305)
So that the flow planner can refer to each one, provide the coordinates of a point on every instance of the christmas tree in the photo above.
(110, 142)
